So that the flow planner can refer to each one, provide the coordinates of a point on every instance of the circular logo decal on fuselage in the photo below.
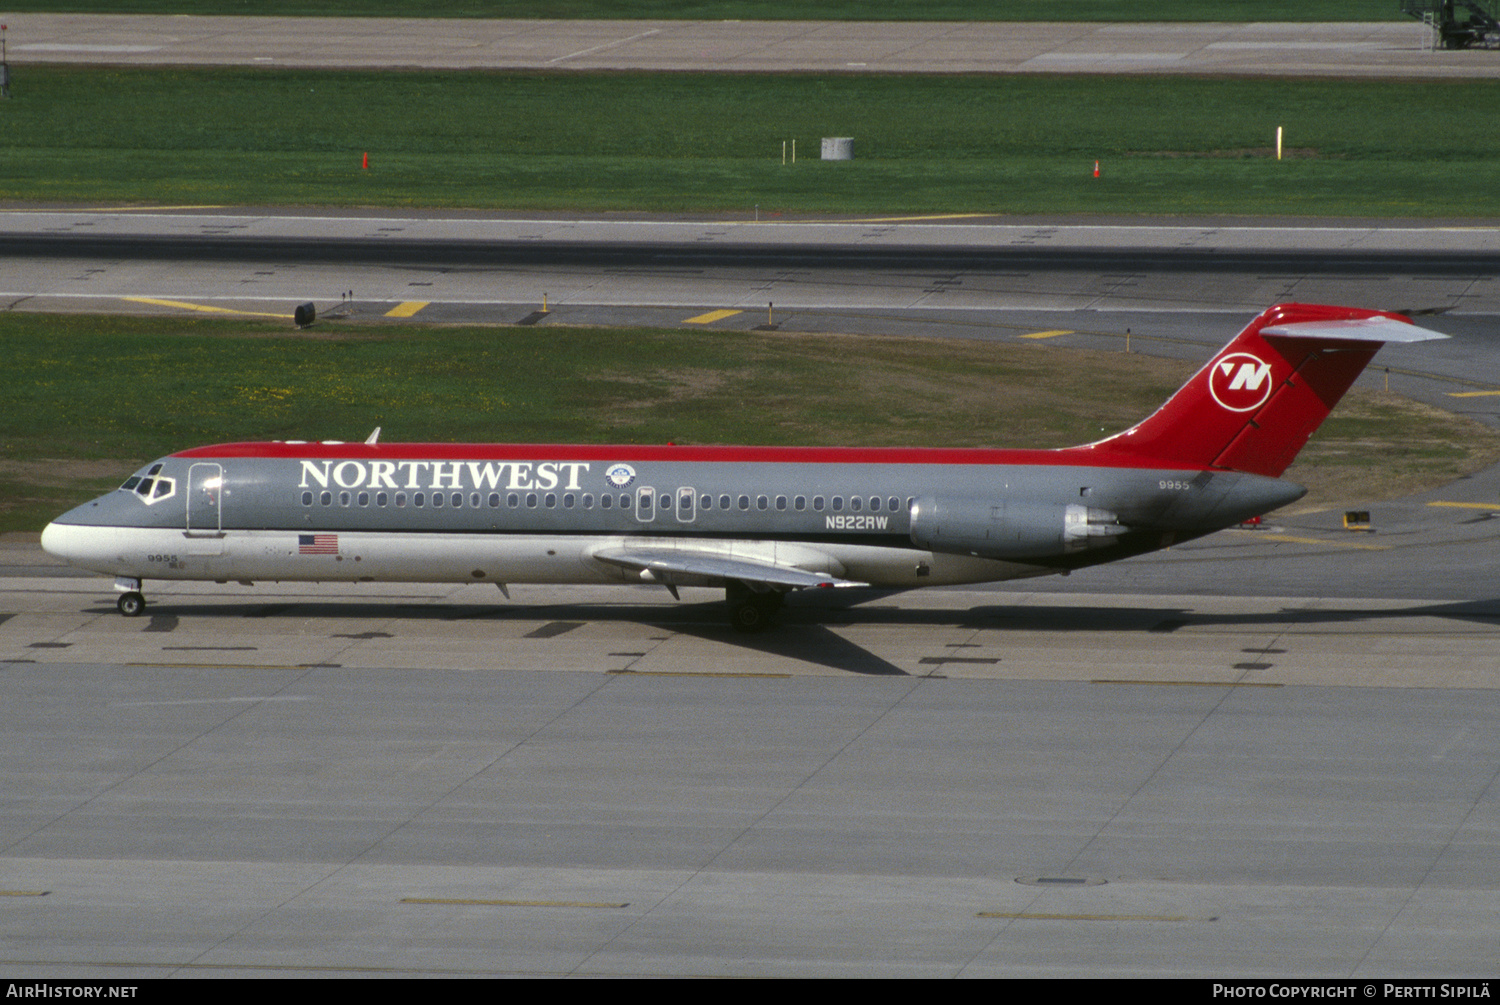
(619, 475)
(1240, 382)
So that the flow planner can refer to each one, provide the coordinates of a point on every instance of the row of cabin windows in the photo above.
(685, 501)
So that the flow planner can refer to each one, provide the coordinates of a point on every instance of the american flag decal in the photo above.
(317, 544)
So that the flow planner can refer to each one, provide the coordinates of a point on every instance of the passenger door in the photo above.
(205, 500)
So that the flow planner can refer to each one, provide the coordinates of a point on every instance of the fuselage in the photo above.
(896, 518)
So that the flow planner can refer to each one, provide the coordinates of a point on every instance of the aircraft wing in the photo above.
(666, 563)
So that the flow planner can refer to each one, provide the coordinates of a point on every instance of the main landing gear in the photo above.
(750, 611)
(132, 602)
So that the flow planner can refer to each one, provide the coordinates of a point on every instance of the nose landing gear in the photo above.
(131, 603)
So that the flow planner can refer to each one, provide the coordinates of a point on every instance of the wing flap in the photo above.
(665, 563)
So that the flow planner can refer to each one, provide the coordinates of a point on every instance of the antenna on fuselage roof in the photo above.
(373, 438)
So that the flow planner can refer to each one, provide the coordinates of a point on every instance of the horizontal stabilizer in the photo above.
(1258, 400)
(667, 563)
(1374, 329)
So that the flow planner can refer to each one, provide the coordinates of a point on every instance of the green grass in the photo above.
(90, 398)
(770, 10)
(96, 387)
(704, 142)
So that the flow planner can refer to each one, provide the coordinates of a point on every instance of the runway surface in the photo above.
(1384, 49)
(1266, 753)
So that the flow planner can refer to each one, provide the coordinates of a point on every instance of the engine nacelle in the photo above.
(1010, 529)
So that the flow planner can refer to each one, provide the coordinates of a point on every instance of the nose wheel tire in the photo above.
(131, 604)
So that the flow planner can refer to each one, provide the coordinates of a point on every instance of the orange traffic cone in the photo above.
(1096, 169)
(366, 164)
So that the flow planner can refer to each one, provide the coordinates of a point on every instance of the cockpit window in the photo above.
(152, 490)
(145, 482)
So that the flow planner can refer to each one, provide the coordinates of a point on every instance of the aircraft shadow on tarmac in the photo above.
(807, 632)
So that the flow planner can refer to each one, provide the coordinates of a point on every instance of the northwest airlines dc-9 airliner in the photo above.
(757, 522)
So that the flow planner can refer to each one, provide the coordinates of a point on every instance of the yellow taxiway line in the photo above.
(181, 305)
(1495, 507)
(407, 309)
(711, 317)
(917, 219)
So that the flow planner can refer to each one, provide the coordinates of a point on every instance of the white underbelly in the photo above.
(147, 553)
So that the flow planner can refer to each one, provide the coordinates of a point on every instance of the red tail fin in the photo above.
(1255, 404)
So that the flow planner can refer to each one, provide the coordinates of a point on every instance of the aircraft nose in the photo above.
(55, 541)
(73, 543)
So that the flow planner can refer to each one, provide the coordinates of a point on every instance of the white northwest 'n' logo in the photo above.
(1249, 376)
(1240, 382)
